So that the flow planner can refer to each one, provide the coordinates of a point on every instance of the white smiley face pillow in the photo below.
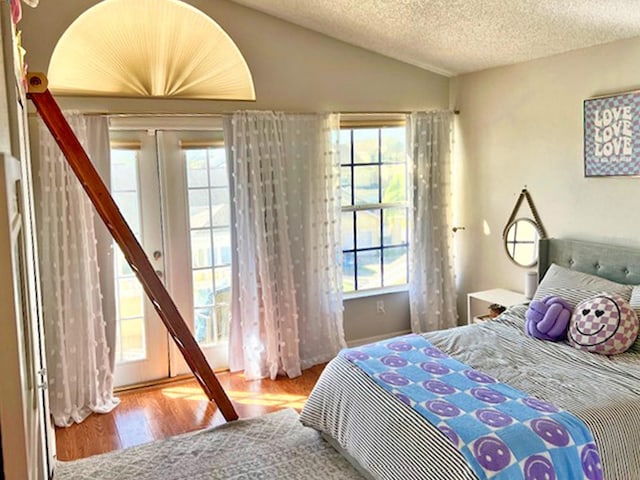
(604, 324)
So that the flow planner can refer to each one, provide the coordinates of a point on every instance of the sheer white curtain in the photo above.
(313, 189)
(286, 290)
(78, 347)
(432, 295)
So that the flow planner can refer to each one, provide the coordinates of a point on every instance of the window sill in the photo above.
(375, 292)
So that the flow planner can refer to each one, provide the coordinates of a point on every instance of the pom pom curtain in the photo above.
(432, 294)
(287, 286)
(285, 189)
(79, 341)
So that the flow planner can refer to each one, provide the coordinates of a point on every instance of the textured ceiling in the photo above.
(459, 36)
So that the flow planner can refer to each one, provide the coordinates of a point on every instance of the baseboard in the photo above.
(377, 338)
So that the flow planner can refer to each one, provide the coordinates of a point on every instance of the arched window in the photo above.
(148, 48)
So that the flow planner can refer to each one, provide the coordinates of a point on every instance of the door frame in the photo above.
(20, 408)
(173, 178)
(172, 181)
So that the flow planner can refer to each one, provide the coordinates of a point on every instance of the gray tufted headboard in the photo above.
(620, 264)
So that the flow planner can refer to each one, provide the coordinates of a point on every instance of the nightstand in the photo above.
(478, 302)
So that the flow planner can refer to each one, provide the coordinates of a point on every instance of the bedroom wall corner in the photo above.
(521, 125)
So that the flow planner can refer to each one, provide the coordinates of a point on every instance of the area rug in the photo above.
(275, 446)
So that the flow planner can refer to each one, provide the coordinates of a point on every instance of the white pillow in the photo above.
(574, 286)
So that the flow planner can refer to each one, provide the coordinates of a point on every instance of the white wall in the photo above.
(522, 125)
(363, 320)
(294, 69)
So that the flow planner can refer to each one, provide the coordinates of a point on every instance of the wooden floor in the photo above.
(156, 413)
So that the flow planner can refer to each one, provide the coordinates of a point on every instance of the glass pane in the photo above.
(394, 183)
(196, 168)
(371, 185)
(223, 321)
(365, 145)
(203, 324)
(222, 246)
(122, 267)
(392, 144)
(209, 210)
(369, 270)
(129, 298)
(366, 184)
(395, 266)
(345, 184)
(218, 168)
(131, 340)
(129, 206)
(124, 170)
(199, 208)
(348, 272)
(368, 228)
(347, 230)
(223, 285)
(201, 248)
(395, 226)
(345, 146)
(220, 207)
(202, 288)
(130, 325)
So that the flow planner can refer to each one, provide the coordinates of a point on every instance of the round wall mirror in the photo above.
(521, 242)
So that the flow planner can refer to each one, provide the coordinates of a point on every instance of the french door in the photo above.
(172, 187)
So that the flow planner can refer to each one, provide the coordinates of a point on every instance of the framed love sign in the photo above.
(612, 135)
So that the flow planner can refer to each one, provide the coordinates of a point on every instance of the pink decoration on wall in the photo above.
(16, 11)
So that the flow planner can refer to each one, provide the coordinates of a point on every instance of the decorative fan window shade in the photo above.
(148, 48)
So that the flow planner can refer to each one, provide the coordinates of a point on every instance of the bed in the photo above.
(385, 439)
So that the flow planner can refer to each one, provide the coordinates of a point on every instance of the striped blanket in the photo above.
(390, 441)
(503, 433)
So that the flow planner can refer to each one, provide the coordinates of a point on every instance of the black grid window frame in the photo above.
(353, 209)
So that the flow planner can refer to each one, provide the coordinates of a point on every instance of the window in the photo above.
(374, 208)
(129, 297)
(209, 228)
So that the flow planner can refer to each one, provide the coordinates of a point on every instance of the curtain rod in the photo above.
(205, 115)
(396, 112)
(125, 114)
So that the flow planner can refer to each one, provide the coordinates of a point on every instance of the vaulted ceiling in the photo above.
(459, 36)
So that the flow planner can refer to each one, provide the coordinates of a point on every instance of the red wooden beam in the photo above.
(101, 198)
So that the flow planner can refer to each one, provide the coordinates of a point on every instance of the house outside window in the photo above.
(374, 207)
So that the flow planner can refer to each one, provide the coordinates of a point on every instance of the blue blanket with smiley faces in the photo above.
(503, 433)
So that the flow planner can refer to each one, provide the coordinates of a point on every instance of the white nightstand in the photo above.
(476, 300)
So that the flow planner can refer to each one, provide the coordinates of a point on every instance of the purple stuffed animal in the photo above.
(548, 319)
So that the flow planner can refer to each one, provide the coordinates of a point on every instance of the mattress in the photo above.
(391, 441)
